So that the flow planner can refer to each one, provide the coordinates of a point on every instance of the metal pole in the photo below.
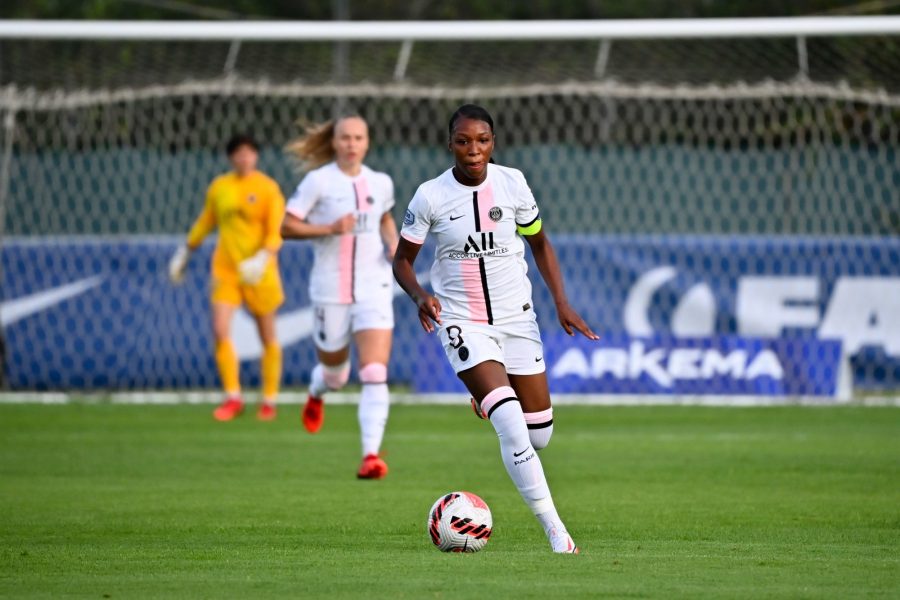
(231, 59)
(802, 58)
(403, 60)
(341, 60)
(9, 123)
(602, 59)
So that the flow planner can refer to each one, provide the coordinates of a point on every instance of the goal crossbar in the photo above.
(449, 30)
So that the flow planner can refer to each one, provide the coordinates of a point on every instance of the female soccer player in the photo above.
(344, 207)
(479, 212)
(247, 207)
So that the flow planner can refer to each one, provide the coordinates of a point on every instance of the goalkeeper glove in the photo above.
(253, 268)
(178, 264)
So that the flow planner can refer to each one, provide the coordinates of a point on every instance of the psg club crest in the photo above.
(370, 200)
(496, 213)
(252, 198)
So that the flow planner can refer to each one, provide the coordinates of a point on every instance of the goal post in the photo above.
(723, 193)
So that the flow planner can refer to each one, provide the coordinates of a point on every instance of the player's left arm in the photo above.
(389, 235)
(548, 265)
(388, 227)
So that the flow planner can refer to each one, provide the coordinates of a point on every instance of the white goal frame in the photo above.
(409, 32)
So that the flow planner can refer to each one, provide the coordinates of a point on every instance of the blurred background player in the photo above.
(479, 213)
(343, 206)
(247, 207)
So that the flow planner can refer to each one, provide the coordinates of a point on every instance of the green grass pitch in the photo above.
(115, 501)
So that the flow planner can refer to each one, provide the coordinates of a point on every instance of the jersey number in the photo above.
(454, 335)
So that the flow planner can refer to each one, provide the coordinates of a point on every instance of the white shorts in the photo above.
(335, 323)
(517, 345)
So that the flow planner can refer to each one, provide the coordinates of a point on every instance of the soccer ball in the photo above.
(460, 522)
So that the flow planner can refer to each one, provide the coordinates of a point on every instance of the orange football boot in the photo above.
(313, 414)
(228, 410)
(266, 411)
(372, 467)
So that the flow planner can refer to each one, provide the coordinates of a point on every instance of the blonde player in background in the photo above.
(344, 207)
(247, 207)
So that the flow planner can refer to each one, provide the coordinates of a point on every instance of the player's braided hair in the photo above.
(313, 149)
(470, 111)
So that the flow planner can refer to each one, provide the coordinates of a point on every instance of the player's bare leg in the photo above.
(331, 373)
(227, 362)
(270, 365)
(490, 385)
(374, 349)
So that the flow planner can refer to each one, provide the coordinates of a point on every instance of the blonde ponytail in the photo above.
(313, 149)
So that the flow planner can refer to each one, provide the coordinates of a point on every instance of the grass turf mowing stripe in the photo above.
(135, 501)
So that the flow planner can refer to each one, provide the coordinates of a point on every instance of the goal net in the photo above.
(710, 199)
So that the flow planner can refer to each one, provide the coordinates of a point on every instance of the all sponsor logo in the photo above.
(479, 245)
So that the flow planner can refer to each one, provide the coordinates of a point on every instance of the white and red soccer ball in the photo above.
(460, 522)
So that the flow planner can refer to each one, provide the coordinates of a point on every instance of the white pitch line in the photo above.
(406, 398)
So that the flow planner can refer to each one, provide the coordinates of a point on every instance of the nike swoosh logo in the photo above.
(20, 308)
(452, 218)
(518, 454)
(539, 359)
(291, 327)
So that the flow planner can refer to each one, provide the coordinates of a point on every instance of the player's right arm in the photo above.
(295, 228)
(202, 227)
(429, 306)
(416, 224)
(301, 202)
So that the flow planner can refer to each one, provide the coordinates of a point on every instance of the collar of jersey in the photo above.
(470, 188)
(362, 171)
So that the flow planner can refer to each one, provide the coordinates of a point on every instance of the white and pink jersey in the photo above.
(479, 270)
(352, 266)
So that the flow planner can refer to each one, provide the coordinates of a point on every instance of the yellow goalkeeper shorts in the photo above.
(261, 299)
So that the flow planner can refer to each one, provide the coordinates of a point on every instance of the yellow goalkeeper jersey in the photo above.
(247, 212)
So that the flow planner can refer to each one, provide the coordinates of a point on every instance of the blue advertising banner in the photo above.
(718, 365)
(101, 314)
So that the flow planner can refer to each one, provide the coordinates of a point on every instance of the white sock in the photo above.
(519, 456)
(540, 428)
(317, 385)
(374, 405)
(325, 378)
(550, 520)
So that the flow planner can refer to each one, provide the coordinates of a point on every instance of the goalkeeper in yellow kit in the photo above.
(247, 207)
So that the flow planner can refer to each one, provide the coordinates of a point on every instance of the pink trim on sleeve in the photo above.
(410, 238)
(296, 212)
